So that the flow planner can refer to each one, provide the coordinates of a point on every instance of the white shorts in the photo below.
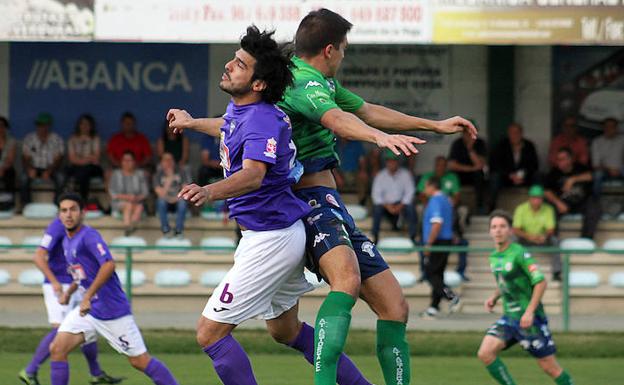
(122, 334)
(56, 311)
(267, 277)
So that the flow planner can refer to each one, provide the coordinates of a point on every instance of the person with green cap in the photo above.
(534, 224)
(393, 195)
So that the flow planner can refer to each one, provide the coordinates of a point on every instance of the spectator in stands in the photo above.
(352, 174)
(513, 163)
(210, 169)
(42, 156)
(568, 138)
(168, 181)
(83, 150)
(393, 196)
(450, 186)
(607, 152)
(568, 188)
(534, 224)
(7, 160)
(174, 144)
(129, 139)
(467, 158)
(128, 190)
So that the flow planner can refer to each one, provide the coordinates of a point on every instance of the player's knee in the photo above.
(552, 369)
(282, 336)
(486, 355)
(209, 332)
(140, 362)
(57, 351)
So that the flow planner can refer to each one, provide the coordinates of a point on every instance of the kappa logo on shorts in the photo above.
(332, 200)
(367, 247)
(319, 238)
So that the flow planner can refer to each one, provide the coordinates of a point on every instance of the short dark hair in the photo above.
(129, 115)
(5, 121)
(71, 196)
(89, 118)
(272, 66)
(566, 150)
(434, 181)
(500, 214)
(128, 152)
(319, 29)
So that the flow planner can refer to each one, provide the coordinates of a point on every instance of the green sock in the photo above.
(499, 371)
(393, 352)
(564, 379)
(330, 334)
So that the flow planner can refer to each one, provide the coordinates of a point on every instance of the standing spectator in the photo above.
(168, 181)
(42, 153)
(128, 190)
(352, 173)
(568, 188)
(7, 160)
(534, 224)
(83, 150)
(467, 158)
(568, 138)
(174, 144)
(438, 231)
(210, 169)
(607, 152)
(393, 195)
(513, 163)
(129, 139)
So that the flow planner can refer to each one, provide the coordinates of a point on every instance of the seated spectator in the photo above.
(42, 155)
(7, 160)
(607, 152)
(129, 139)
(467, 159)
(534, 224)
(210, 169)
(168, 182)
(174, 144)
(568, 188)
(128, 190)
(568, 138)
(513, 163)
(83, 150)
(352, 173)
(393, 195)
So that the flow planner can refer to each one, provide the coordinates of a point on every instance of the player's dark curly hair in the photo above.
(272, 66)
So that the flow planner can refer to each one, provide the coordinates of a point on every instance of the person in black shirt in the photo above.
(467, 159)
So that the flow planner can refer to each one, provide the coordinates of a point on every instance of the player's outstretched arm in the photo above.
(387, 119)
(104, 273)
(349, 126)
(538, 292)
(181, 120)
(41, 261)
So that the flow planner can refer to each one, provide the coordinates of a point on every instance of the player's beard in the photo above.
(234, 90)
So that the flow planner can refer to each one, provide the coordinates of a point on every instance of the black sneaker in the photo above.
(28, 379)
(105, 379)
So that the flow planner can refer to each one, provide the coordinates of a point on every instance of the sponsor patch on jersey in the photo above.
(313, 83)
(45, 241)
(232, 125)
(101, 249)
(508, 266)
(332, 200)
(271, 148)
(532, 268)
(224, 152)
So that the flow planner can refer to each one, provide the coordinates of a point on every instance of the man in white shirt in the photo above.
(607, 154)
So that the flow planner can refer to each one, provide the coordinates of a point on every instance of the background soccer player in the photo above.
(104, 309)
(521, 285)
(50, 259)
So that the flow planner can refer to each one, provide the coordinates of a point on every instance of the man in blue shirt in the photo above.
(438, 231)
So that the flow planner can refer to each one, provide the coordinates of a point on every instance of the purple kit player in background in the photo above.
(49, 258)
(258, 157)
(104, 309)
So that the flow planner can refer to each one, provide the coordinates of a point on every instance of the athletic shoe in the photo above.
(28, 379)
(430, 314)
(455, 304)
(105, 379)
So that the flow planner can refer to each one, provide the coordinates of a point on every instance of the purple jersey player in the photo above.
(49, 258)
(104, 309)
(258, 157)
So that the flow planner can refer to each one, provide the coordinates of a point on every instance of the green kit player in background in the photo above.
(521, 285)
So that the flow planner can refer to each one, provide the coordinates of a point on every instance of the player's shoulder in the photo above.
(307, 76)
(517, 250)
(91, 234)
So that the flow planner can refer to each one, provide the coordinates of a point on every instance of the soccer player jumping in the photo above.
(521, 285)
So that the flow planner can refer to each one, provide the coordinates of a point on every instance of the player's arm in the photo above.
(529, 314)
(41, 261)
(491, 302)
(248, 179)
(181, 120)
(66, 295)
(104, 273)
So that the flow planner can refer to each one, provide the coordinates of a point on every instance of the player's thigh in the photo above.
(383, 294)
(64, 343)
(490, 347)
(122, 334)
(340, 268)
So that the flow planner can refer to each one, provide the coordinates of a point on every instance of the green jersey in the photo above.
(516, 273)
(449, 183)
(312, 95)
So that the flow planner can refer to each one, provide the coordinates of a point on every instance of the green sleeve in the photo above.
(529, 266)
(421, 183)
(309, 97)
(550, 218)
(347, 100)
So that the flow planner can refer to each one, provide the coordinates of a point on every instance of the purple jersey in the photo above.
(261, 132)
(52, 242)
(85, 252)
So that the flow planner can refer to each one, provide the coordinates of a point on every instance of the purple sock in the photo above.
(90, 352)
(348, 373)
(159, 373)
(231, 362)
(41, 353)
(59, 373)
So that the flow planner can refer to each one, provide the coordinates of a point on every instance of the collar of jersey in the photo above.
(299, 62)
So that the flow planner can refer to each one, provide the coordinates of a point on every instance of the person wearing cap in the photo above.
(42, 155)
(393, 195)
(534, 224)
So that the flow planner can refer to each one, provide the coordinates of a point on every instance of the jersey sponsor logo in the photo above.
(318, 238)
(331, 85)
(332, 200)
(232, 126)
(271, 148)
(101, 249)
(533, 267)
(367, 247)
(77, 272)
(45, 241)
(313, 83)
(508, 266)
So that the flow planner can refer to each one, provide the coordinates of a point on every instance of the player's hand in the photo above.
(400, 143)
(527, 320)
(58, 288)
(456, 124)
(63, 298)
(194, 194)
(85, 306)
(490, 303)
(178, 120)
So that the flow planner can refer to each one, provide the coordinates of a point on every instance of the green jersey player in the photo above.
(521, 285)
